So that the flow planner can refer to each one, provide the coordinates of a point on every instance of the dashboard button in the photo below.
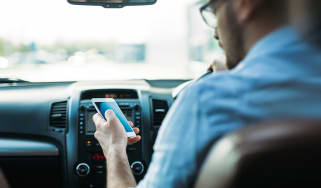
(100, 172)
(98, 157)
(82, 107)
(137, 107)
(131, 148)
(100, 167)
(137, 123)
(88, 143)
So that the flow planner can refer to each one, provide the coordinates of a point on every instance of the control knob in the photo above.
(137, 168)
(82, 169)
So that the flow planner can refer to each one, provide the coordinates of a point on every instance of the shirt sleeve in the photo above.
(173, 161)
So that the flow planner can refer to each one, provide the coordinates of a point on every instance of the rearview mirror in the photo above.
(112, 3)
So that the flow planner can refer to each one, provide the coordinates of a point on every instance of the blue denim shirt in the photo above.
(280, 78)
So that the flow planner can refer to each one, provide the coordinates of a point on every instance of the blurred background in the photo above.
(54, 41)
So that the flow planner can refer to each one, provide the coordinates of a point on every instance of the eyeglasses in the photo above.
(208, 14)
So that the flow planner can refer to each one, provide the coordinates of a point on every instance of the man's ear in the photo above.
(246, 9)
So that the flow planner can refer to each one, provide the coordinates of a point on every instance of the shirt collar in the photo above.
(275, 41)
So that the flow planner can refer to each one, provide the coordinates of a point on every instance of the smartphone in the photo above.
(104, 104)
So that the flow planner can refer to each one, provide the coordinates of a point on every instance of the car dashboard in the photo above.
(47, 132)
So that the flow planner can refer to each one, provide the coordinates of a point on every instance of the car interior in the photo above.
(46, 127)
(52, 140)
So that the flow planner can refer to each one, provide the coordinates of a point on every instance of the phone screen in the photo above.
(112, 105)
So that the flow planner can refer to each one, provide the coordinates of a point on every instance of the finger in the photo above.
(131, 123)
(97, 119)
(112, 120)
(109, 115)
(134, 140)
(211, 67)
(136, 130)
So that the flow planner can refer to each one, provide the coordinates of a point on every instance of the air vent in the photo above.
(58, 114)
(160, 108)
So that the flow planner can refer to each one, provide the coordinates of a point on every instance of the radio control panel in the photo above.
(91, 164)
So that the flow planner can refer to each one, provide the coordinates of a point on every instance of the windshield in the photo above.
(55, 41)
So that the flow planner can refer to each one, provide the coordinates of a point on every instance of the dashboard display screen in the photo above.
(116, 94)
(90, 125)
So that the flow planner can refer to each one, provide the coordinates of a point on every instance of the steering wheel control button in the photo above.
(83, 169)
(137, 168)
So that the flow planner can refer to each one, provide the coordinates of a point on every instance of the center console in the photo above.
(91, 164)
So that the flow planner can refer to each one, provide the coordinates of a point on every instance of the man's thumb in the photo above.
(109, 114)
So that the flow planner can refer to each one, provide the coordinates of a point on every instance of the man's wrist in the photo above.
(119, 173)
(115, 151)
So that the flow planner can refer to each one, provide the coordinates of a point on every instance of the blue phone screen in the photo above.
(104, 106)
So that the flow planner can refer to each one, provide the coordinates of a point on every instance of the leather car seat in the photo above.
(272, 155)
(3, 181)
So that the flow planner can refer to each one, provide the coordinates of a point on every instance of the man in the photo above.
(278, 77)
(305, 15)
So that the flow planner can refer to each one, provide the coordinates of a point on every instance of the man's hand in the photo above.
(219, 64)
(113, 139)
(111, 134)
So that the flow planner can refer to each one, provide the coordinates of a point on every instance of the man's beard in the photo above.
(309, 22)
(311, 31)
(231, 64)
(235, 52)
(313, 35)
